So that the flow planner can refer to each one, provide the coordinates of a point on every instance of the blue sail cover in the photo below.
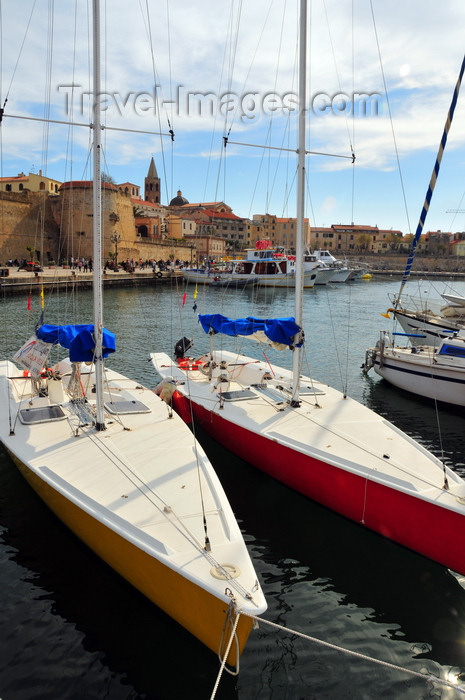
(277, 330)
(78, 339)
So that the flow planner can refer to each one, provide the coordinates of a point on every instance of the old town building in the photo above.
(52, 221)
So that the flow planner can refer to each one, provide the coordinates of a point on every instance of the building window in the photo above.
(8, 188)
(21, 186)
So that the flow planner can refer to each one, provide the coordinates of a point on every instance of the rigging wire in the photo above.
(18, 59)
(157, 82)
(232, 45)
(431, 185)
(270, 123)
(391, 122)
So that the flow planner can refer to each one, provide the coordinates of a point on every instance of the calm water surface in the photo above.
(72, 629)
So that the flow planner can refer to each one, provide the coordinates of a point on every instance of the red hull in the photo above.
(419, 525)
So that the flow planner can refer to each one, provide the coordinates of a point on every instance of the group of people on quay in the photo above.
(81, 264)
(129, 265)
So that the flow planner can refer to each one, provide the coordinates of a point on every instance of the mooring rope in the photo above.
(386, 664)
(233, 608)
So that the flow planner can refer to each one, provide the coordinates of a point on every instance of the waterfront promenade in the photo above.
(21, 282)
(13, 281)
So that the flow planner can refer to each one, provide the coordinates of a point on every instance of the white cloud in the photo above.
(208, 48)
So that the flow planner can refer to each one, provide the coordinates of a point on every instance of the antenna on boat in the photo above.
(97, 215)
(297, 356)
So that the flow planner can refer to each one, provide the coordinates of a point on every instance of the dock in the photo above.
(13, 281)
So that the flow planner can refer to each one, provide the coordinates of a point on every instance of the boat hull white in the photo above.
(341, 275)
(425, 329)
(420, 373)
(285, 279)
(324, 275)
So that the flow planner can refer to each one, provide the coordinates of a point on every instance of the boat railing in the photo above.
(418, 304)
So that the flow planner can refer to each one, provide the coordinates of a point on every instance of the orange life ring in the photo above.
(189, 363)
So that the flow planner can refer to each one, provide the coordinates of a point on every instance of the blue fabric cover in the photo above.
(78, 339)
(278, 330)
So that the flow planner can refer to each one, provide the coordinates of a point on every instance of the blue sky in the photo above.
(244, 58)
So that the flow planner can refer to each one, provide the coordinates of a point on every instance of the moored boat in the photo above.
(120, 469)
(432, 372)
(429, 321)
(310, 436)
(271, 267)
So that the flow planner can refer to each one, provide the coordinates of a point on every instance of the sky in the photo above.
(380, 79)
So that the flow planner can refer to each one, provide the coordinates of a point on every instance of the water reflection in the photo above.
(331, 579)
(321, 574)
(72, 628)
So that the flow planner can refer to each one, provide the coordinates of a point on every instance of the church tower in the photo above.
(152, 185)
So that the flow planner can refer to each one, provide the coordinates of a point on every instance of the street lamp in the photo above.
(116, 238)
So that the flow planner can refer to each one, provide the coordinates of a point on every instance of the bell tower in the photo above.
(152, 185)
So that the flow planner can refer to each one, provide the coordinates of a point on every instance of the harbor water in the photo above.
(71, 629)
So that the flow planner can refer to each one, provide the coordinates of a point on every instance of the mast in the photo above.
(97, 216)
(432, 183)
(297, 355)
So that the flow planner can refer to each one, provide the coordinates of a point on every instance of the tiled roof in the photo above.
(19, 178)
(86, 184)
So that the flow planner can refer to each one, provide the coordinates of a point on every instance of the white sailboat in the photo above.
(432, 372)
(432, 365)
(310, 436)
(428, 321)
(123, 472)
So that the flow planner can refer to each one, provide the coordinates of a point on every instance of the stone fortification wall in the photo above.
(21, 215)
(74, 210)
(26, 219)
(155, 250)
(423, 263)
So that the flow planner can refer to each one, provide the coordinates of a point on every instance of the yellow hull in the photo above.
(197, 610)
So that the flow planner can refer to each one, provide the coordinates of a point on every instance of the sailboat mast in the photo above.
(432, 183)
(97, 216)
(297, 356)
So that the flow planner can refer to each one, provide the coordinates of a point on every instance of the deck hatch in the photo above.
(41, 414)
(240, 395)
(126, 407)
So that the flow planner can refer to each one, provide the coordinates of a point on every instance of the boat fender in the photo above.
(165, 390)
(158, 274)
